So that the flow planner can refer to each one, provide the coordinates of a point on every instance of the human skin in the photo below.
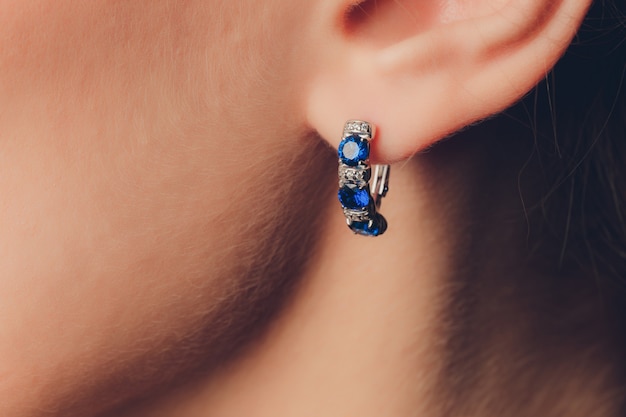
(167, 192)
(147, 181)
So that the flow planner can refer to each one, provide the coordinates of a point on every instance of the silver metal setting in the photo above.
(380, 183)
(359, 127)
(357, 175)
(367, 221)
(356, 216)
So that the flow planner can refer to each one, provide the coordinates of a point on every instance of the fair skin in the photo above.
(171, 242)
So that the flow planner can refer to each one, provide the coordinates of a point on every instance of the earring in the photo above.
(359, 201)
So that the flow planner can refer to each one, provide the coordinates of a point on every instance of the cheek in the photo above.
(157, 215)
(152, 260)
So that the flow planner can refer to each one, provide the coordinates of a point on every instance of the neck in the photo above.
(369, 331)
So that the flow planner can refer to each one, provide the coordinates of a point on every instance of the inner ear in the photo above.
(384, 22)
(381, 23)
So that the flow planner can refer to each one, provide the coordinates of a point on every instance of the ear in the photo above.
(420, 70)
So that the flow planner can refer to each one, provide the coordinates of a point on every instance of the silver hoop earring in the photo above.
(360, 200)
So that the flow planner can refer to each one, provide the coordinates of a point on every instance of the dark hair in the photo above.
(578, 118)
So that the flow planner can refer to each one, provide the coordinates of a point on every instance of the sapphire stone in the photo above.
(353, 150)
(363, 228)
(354, 198)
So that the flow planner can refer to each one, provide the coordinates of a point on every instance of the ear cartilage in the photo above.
(359, 199)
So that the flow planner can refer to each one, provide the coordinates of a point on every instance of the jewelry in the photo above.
(359, 203)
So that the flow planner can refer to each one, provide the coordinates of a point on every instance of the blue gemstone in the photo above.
(353, 150)
(353, 197)
(378, 227)
(363, 228)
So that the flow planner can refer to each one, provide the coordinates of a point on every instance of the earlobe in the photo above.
(420, 81)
